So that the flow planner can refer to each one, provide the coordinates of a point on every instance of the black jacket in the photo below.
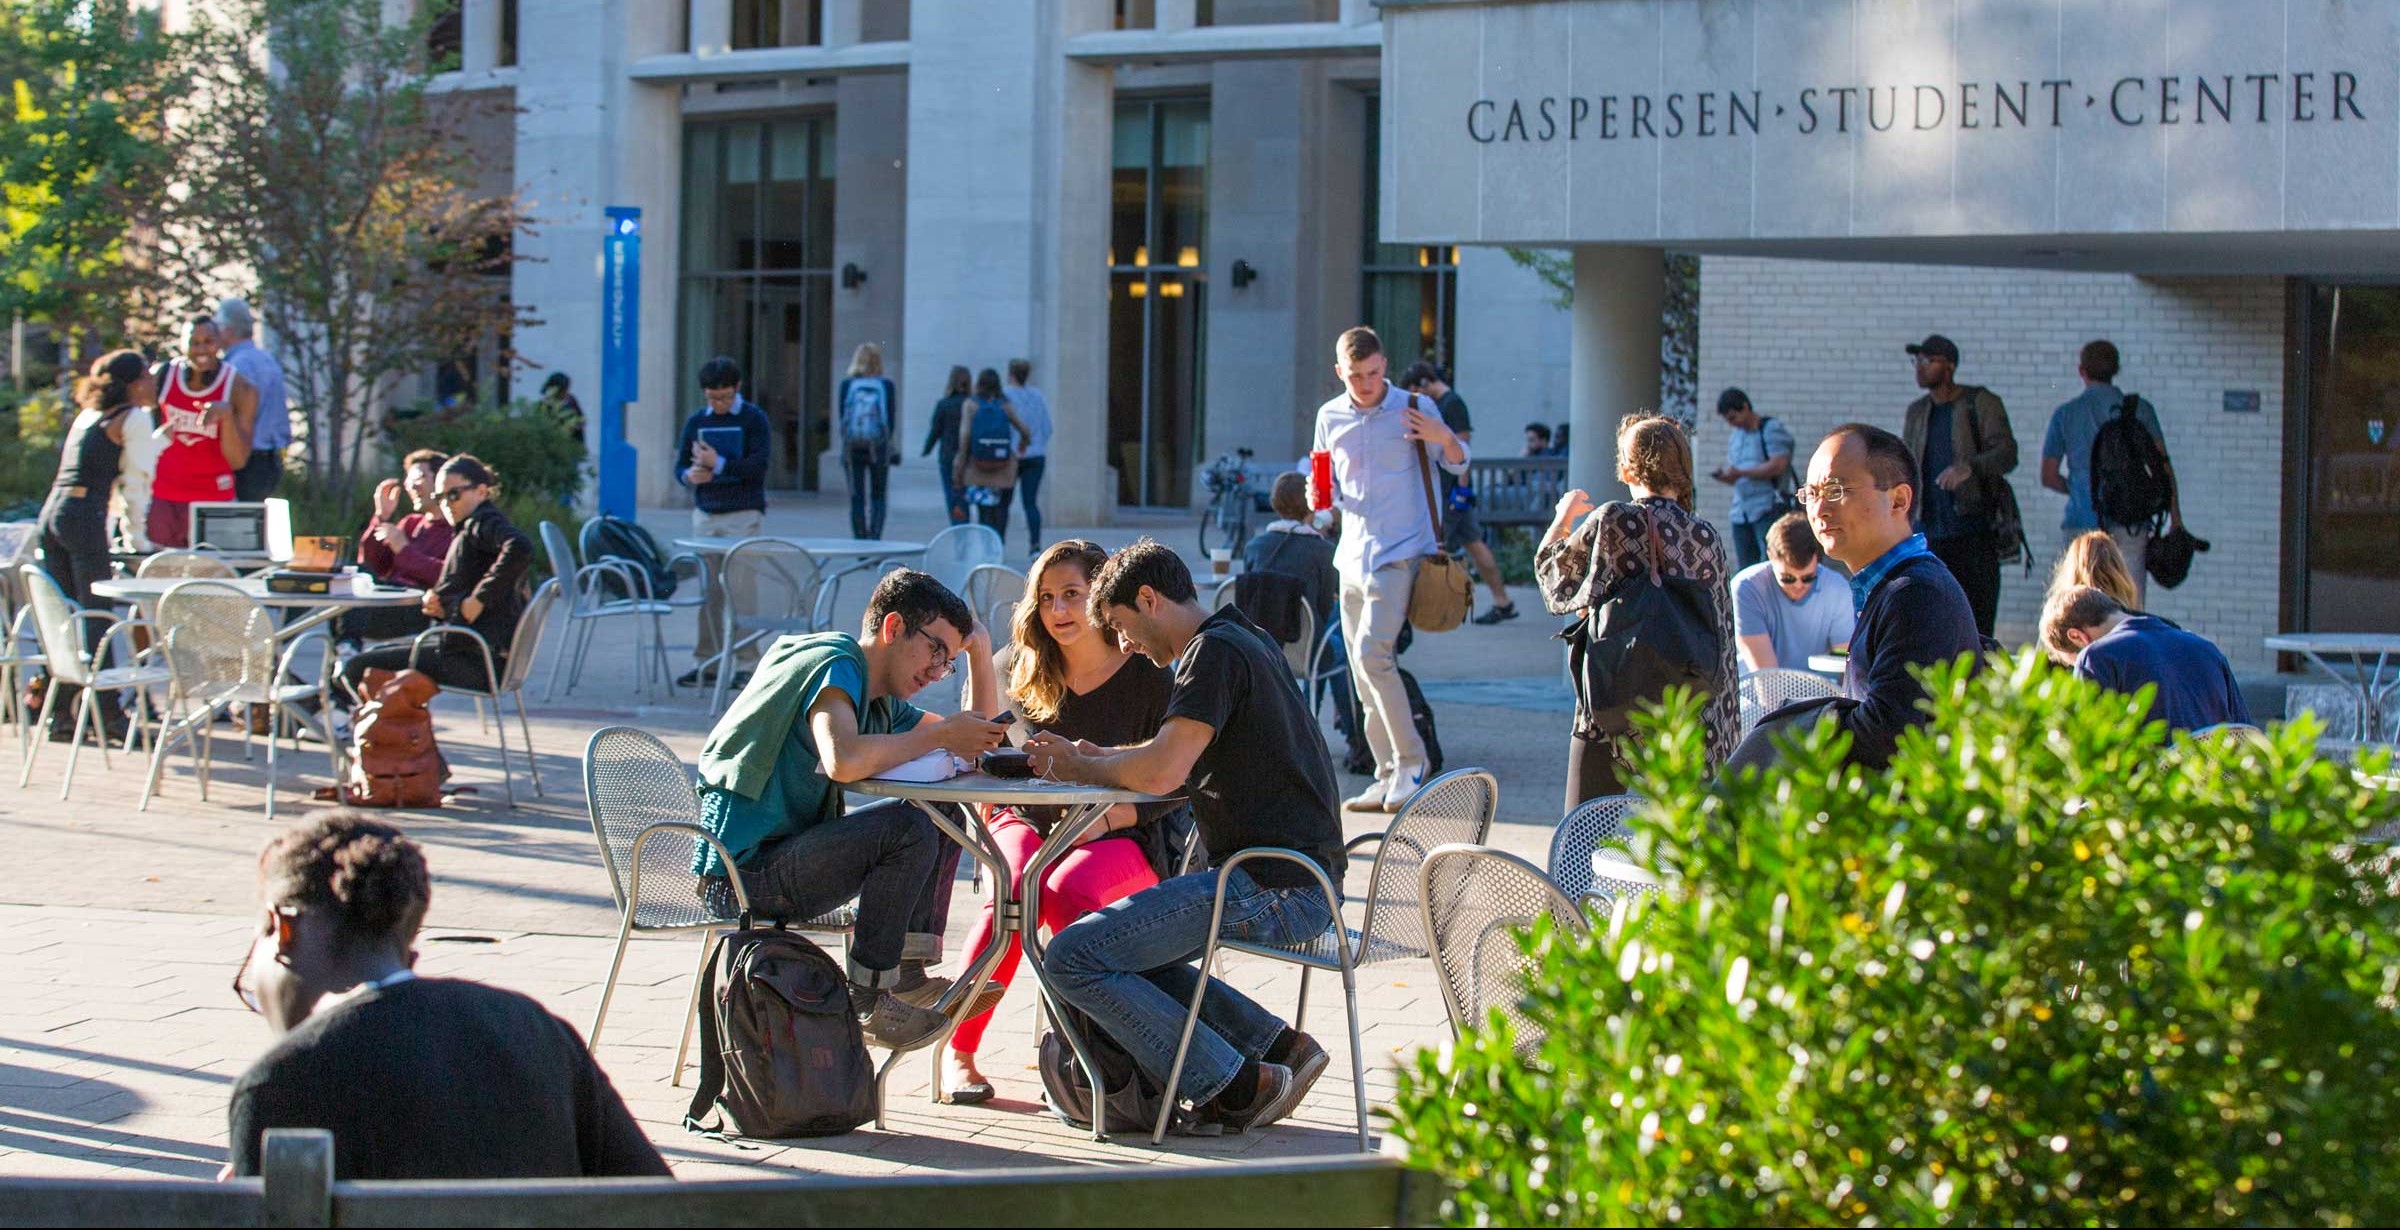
(488, 561)
(1917, 616)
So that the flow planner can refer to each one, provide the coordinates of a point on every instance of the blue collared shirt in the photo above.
(253, 364)
(1862, 586)
(2073, 427)
(1376, 484)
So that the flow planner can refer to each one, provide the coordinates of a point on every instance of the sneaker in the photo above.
(1274, 1093)
(1497, 615)
(1307, 1061)
(1370, 799)
(892, 1024)
(697, 677)
(1403, 787)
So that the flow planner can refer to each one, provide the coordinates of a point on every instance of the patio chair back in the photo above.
(1456, 807)
(531, 628)
(560, 551)
(218, 640)
(203, 564)
(1604, 821)
(1763, 692)
(57, 626)
(632, 782)
(954, 554)
(770, 588)
(1476, 900)
(993, 591)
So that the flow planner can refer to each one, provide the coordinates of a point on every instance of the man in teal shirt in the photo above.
(826, 709)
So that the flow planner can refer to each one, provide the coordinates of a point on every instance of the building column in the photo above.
(1618, 296)
(1360, 12)
(479, 36)
(712, 27)
(1008, 221)
(843, 21)
(1178, 15)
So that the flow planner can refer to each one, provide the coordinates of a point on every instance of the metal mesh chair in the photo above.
(1457, 806)
(1604, 821)
(604, 589)
(1764, 691)
(993, 591)
(955, 553)
(58, 624)
(509, 680)
(22, 653)
(690, 567)
(1476, 900)
(647, 820)
(772, 588)
(193, 564)
(221, 650)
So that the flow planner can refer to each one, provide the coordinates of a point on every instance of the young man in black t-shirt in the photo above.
(1240, 743)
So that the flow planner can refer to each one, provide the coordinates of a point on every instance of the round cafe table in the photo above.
(309, 610)
(1015, 908)
(1832, 664)
(2371, 670)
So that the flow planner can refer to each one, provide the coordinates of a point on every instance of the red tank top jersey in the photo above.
(192, 468)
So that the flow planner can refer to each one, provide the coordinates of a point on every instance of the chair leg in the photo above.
(691, 1014)
(39, 735)
(158, 759)
(272, 744)
(1300, 1010)
(86, 710)
(558, 661)
(608, 986)
(1358, 1056)
(1191, 1021)
(583, 654)
(508, 779)
(533, 767)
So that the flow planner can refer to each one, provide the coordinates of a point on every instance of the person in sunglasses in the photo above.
(1861, 498)
(417, 1078)
(824, 709)
(482, 586)
(1790, 606)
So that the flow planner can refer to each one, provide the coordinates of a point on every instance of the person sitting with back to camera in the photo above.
(2124, 650)
(825, 709)
(1293, 546)
(1072, 678)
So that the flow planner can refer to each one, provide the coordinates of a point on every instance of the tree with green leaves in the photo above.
(328, 167)
(92, 239)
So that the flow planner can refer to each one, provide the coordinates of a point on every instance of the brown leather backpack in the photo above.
(394, 761)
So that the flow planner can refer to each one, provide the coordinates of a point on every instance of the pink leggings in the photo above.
(1090, 876)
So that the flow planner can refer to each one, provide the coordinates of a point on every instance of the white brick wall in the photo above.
(1818, 344)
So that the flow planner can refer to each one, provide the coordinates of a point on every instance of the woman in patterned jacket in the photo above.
(1587, 551)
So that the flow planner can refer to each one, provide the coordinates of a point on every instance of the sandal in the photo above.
(973, 1093)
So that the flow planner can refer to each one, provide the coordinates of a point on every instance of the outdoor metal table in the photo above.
(312, 609)
(1833, 664)
(1015, 907)
(2370, 656)
(826, 548)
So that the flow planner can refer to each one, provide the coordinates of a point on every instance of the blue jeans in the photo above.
(1749, 543)
(1029, 494)
(866, 474)
(1129, 966)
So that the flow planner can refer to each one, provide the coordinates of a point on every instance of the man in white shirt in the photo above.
(1790, 607)
(1383, 441)
(1034, 409)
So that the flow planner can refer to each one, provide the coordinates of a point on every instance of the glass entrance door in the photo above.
(2349, 574)
(1157, 300)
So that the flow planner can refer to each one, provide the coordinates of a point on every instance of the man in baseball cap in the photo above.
(1960, 436)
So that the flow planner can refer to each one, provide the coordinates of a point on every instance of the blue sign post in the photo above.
(620, 356)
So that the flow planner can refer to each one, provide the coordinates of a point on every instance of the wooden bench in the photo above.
(1517, 490)
(298, 1188)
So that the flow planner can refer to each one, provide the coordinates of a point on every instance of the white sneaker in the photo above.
(1403, 787)
(1369, 799)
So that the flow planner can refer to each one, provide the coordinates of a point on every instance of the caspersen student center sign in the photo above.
(1698, 121)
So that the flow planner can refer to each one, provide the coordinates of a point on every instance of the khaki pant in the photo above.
(712, 607)
(2136, 550)
(1373, 608)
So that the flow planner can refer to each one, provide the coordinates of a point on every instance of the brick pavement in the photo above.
(119, 931)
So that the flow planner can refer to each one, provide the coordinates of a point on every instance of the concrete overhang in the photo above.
(2349, 254)
(685, 68)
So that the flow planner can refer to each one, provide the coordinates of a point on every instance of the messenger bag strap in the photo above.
(1433, 511)
(712, 1061)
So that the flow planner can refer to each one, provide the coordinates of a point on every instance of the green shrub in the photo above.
(31, 433)
(2048, 970)
(532, 446)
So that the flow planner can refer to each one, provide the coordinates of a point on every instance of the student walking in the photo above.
(1959, 434)
(1385, 444)
(991, 440)
(722, 458)
(1462, 530)
(869, 412)
(2073, 451)
(1758, 466)
(1034, 410)
(941, 440)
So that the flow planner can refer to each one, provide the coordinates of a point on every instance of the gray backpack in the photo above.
(780, 1053)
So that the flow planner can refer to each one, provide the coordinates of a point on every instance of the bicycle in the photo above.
(1226, 524)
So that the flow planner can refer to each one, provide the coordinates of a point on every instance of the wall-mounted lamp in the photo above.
(853, 277)
(1244, 273)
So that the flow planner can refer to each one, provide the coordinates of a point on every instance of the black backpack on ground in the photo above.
(1421, 713)
(1133, 1101)
(2132, 488)
(616, 538)
(780, 1052)
(1649, 632)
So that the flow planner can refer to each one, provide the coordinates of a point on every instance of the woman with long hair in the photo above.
(941, 439)
(482, 586)
(1072, 678)
(1587, 552)
(990, 441)
(868, 409)
(2092, 558)
(74, 520)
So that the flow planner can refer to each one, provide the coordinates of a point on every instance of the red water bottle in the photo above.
(1320, 480)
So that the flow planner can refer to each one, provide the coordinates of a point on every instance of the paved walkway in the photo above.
(120, 929)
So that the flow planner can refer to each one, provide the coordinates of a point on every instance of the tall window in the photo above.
(777, 23)
(1410, 293)
(2348, 475)
(758, 275)
(1157, 299)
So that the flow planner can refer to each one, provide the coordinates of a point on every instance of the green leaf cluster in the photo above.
(2049, 968)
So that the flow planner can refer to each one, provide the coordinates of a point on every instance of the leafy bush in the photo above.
(31, 432)
(534, 447)
(2048, 970)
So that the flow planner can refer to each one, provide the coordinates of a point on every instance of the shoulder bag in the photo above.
(1443, 597)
